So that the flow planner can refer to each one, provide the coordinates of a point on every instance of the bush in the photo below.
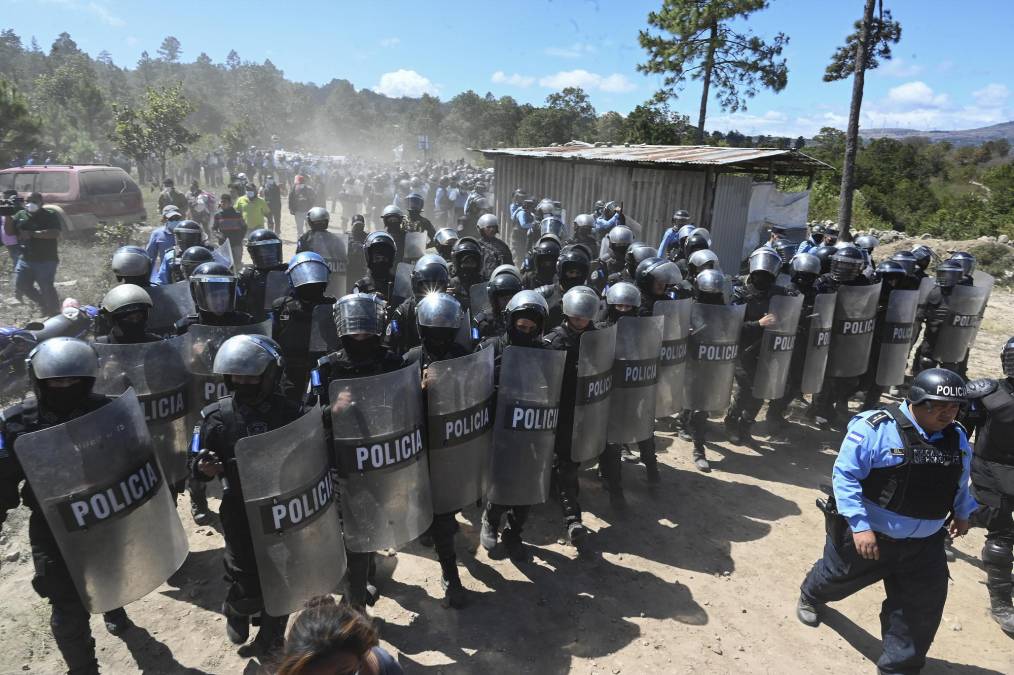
(995, 259)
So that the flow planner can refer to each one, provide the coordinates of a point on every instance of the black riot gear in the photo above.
(847, 264)
(695, 242)
(265, 248)
(572, 268)
(132, 265)
(192, 258)
(526, 305)
(213, 287)
(966, 260)
(429, 275)
(923, 256)
(188, 233)
(824, 254)
(949, 273)
(1007, 358)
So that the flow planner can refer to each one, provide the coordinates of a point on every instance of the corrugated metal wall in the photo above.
(649, 195)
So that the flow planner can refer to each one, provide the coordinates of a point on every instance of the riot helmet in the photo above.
(949, 273)
(62, 371)
(1007, 358)
(824, 254)
(307, 268)
(360, 319)
(572, 267)
(444, 241)
(131, 263)
(467, 256)
(907, 260)
(488, 225)
(584, 223)
(544, 257)
(265, 248)
(937, 384)
(551, 225)
(764, 265)
(785, 250)
(704, 232)
(705, 259)
(438, 318)
(891, 272)
(318, 218)
(620, 239)
(622, 299)
(580, 302)
(680, 217)
(392, 217)
(695, 242)
(830, 234)
(923, 256)
(525, 316)
(414, 202)
(654, 275)
(684, 232)
(867, 242)
(127, 308)
(194, 257)
(966, 260)
(379, 250)
(847, 263)
(430, 275)
(635, 254)
(213, 287)
(709, 287)
(506, 269)
(805, 268)
(500, 289)
(251, 365)
(188, 233)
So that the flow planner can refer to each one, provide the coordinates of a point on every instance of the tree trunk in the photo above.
(709, 65)
(162, 160)
(848, 170)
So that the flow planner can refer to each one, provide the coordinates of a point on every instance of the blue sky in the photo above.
(950, 71)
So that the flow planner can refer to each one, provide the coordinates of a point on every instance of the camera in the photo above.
(11, 203)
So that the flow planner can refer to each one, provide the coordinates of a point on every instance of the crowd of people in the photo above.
(402, 367)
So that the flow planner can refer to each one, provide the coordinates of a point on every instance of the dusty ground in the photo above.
(701, 575)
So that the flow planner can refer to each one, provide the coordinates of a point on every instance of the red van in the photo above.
(86, 193)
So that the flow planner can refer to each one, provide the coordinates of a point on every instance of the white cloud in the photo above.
(614, 83)
(514, 79)
(899, 67)
(390, 42)
(992, 95)
(574, 51)
(95, 8)
(916, 94)
(404, 83)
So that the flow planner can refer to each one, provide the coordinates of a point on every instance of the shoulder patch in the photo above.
(208, 409)
(877, 418)
(855, 437)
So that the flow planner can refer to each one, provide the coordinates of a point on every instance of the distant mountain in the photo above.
(963, 137)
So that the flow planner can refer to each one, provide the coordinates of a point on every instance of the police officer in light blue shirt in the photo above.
(900, 473)
(612, 215)
(669, 247)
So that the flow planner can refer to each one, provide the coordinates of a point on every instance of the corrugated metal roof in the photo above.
(730, 159)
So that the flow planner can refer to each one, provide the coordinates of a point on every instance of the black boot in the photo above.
(699, 460)
(489, 532)
(454, 592)
(117, 622)
(732, 428)
(237, 626)
(270, 637)
(998, 559)
(199, 501)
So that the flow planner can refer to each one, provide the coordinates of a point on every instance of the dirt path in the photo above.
(701, 575)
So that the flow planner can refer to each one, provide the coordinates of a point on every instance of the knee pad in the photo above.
(998, 552)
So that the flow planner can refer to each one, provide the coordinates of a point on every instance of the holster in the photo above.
(834, 523)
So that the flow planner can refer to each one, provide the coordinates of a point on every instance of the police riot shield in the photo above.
(170, 303)
(356, 268)
(459, 396)
(672, 362)
(105, 498)
(289, 495)
(401, 289)
(323, 331)
(777, 344)
(223, 254)
(926, 285)
(200, 344)
(527, 414)
(155, 371)
(276, 285)
(334, 250)
(783, 280)
(964, 307)
(415, 246)
(981, 279)
(478, 298)
(855, 317)
(712, 352)
(594, 385)
(818, 342)
(380, 450)
(635, 374)
(895, 335)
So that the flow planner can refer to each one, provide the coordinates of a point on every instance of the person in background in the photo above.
(272, 194)
(228, 224)
(256, 214)
(301, 199)
(162, 239)
(327, 638)
(10, 241)
(37, 230)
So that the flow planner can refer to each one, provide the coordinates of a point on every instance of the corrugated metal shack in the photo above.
(713, 184)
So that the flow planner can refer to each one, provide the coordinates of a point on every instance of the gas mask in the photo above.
(64, 400)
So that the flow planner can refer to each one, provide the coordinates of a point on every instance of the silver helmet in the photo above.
(126, 298)
(805, 263)
(445, 236)
(250, 355)
(765, 259)
(360, 314)
(623, 293)
(551, 225)
(488, 220)
(710, 281)
(62, 357)
(318, 218)
(584, 220)
(131, 261)
(438, 310)
(700, 260)
(581, 302)
(391, 211)
(621, 235)
(307, 268)
(965, 259)
(506, 269)
(867, 242)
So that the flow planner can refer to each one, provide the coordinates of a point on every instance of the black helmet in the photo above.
(966, 260)
(359, 314)
(379, 243)
(213, 287)
(785, 249)
(635, 254)
(824, 253)
(655, 269)
(923, 255)
(949, 273)
(526, 305)
(414, 202)
(430, 274)
(891, 271)
(467, 248)
(193, 257)
(695, 242)
(680, 217)
(545, 254)
(265, 248)
(847, 263)
(1007, 358)
(572, 267)
(906, 259)
(188, 233)
(937, 384)
(502, 287)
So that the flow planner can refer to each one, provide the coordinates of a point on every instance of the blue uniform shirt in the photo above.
(865, 448)
(162, 277)
(603, 224)
(807, 245)
(667, 240)
(160, 241)
(523, 219)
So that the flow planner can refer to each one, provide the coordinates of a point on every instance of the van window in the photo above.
(52, 182)
(6, 181)
(25, 182)
(101, 182)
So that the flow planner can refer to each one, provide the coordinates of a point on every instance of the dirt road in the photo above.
(700, 575)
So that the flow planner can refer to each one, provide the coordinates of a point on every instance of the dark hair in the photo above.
(322, 630)
(225, 195)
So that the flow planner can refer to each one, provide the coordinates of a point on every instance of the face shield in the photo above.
(216, 295)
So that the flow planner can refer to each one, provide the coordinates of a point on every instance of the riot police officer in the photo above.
(698, 240)
(635, 254)
(192, 258)
(380, 251)
(416, 221)
(438, 319)
(394, 223)
(359, 319)
(265, 249)
(892, 278)
(991, 416)
(656, 278)
(444, 241)
(62, 372)
(499, 289)
(671, 243)
(466, 259)
(124, 311)
(525, 317)
(186, 235)
(252, 366)
(923, 256)
(213, 287)
(429, 275)
(131, 265)
(584, 233)
(571, 270)
(949, 274)
(543, 258)
(494, 251)
(899, 473)
(580, 307)
(755, 292)
(608, 269)
(292, 318)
